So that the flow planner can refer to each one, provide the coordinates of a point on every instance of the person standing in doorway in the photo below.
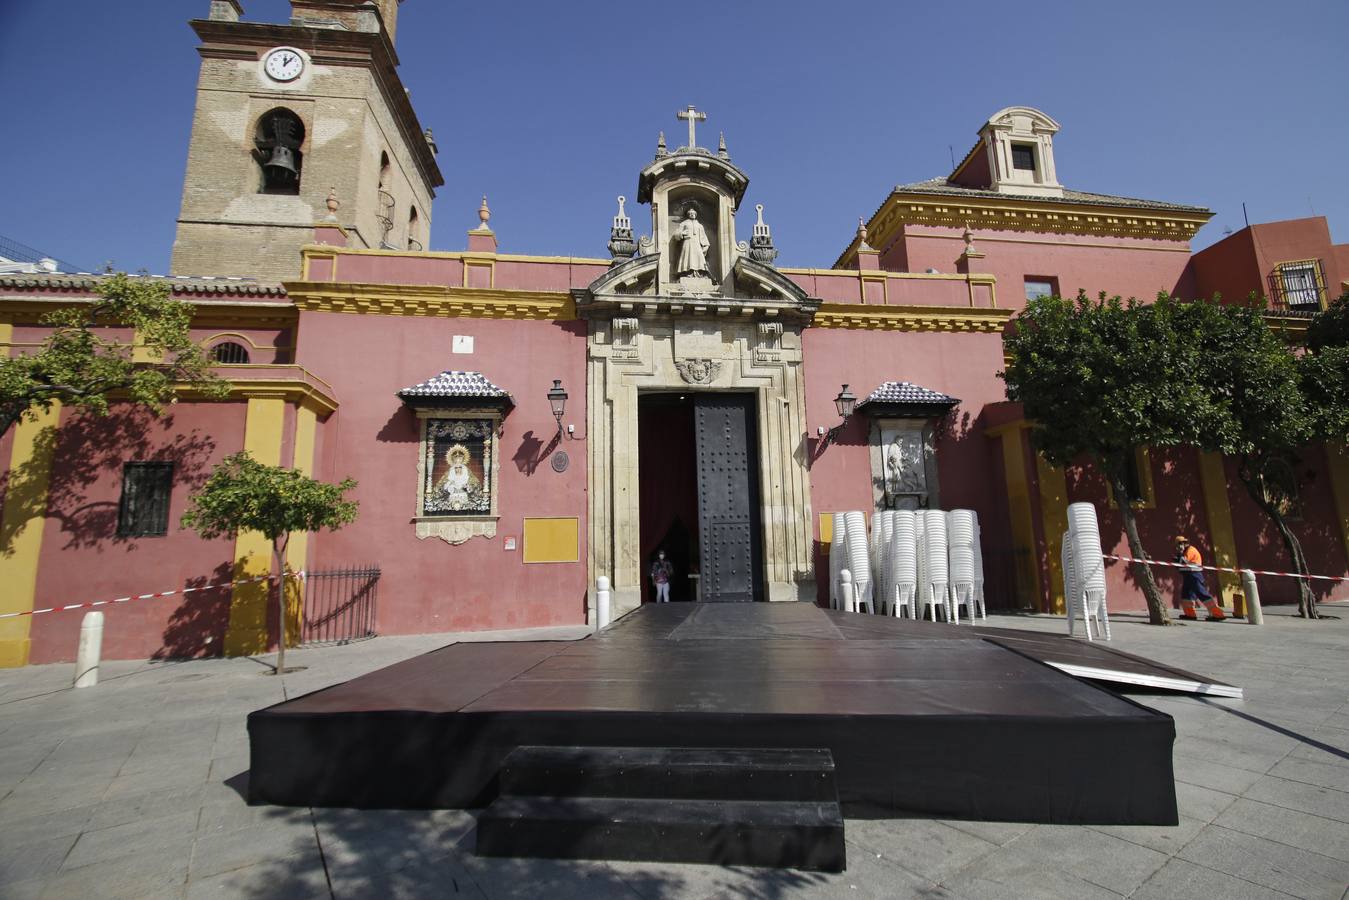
(1193, 588)
(661, 572)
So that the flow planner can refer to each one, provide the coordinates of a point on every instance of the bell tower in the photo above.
(288, 115)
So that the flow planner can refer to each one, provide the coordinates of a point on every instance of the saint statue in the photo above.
(693, 245)
(458, 484)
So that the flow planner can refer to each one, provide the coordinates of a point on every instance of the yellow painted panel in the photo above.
(21, 524)
(552, 540)
(1023, 526)
(1337, 459)
(1213, 477)
(247, 631)
(297, 548)
(826, 528)
(1054, 519)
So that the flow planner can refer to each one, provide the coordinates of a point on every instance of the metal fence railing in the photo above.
(339, 605)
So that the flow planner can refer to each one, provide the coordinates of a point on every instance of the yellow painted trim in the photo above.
(297, 547)
(246, 633)
(1024, 552)
(21, 525)
(826, 528)
(454, 254)
(976, 277)
(30, 309)
(1054, 521)
(480, 262)
(431, 300)
(6, 336)
(1222, 535)
(1042, 215)
(552, 539)
(986, 238)
(911, 318)
(1337, 461)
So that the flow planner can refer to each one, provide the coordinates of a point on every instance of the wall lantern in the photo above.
(557, 400)
(845, 403)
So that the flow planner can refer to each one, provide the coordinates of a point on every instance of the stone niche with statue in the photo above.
(689, 308)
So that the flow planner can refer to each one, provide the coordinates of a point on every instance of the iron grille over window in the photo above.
(230, 353)
(1298, 284)
(1023, 157)
(144, 509)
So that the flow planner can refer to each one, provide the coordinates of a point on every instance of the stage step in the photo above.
(721, 832)
(670, 773)
(771, 807)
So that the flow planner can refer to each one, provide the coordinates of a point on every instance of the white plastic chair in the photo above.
(936, 578)
(902, 565)
(1083, 543)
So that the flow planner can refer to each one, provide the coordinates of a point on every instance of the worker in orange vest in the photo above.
(1194, 588)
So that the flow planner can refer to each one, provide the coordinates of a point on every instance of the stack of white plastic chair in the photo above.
(979, 568)
(838, 557)
(902, 564)
(937, 577)
(858, 559)
(1072, 585)
(960, 553)
(1088, 566)
(882, 536)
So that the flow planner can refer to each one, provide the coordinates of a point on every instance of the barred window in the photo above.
(230, 353)
(1299, 284)
(144, 510)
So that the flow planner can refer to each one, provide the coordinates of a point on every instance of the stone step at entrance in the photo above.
(768, 807)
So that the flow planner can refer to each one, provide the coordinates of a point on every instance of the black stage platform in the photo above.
(920, 717)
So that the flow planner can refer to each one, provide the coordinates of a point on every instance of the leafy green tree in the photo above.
(1324, 370)
(81, 363)
(243, 494)
(1100, 379)
(1257, 412)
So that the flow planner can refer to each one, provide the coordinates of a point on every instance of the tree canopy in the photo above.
(243, 494)
(1100, 378)
(87, 361)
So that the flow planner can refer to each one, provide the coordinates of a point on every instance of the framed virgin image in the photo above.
(457, 474)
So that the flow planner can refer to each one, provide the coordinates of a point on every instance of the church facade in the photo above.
(522, 425)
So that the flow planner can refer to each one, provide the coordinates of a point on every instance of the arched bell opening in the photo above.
(278, 138)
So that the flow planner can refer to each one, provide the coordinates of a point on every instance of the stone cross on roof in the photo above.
(693, 116)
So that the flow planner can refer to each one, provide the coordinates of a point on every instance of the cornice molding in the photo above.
(980, 320)
(429, 300)
(19, 309)
(1047, 216)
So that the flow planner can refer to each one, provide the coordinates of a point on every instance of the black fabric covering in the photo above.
(931, 720)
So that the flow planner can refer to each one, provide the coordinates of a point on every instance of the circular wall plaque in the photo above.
(560, 461)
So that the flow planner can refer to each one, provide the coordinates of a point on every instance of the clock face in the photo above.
(284, 64)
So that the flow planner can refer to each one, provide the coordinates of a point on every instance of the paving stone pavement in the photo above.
(133, 789)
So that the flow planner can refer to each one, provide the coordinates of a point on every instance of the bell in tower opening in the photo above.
(280, 135)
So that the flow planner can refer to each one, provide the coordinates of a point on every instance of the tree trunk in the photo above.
(1306, 602)
(1158, 614)
(279, 564)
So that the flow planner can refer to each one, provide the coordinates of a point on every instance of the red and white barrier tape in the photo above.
(204, 587)
(1158, 562)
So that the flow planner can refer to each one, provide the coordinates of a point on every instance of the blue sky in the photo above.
(551, 108)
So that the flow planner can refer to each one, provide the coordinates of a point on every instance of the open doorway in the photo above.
(698, 496)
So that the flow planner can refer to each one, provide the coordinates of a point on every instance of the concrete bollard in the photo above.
(846, 596)
(91, 648)
(602, 608)
(1254, 615)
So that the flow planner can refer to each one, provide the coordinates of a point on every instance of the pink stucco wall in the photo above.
(429, 585)
(1130, 267)
(960, 365)
(83, 558)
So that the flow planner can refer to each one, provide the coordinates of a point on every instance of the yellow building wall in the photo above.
(1054, 520)
(1222, 534)
(21, 526)
(247, 630)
